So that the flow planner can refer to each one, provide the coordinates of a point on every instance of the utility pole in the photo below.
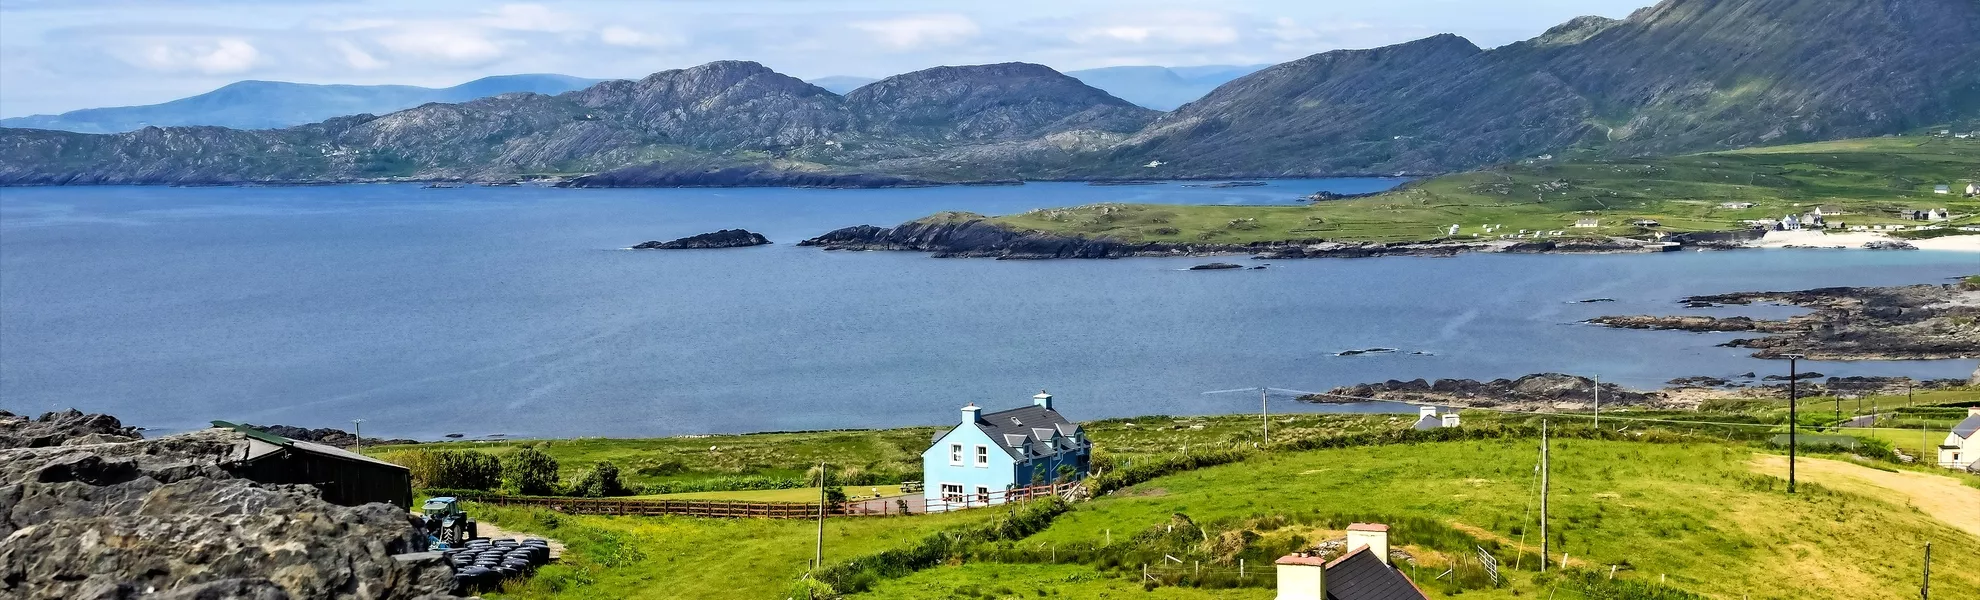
(818, 556)
(1794, 379)
(1264, 418)
(1925, 591)
(357, 431)
(1598, 401)
(1544, 547)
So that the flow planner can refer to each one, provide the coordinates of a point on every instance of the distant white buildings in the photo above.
(1973, 189)
(1942, 189)
(1646, 223)
(1428, 418)
(1736, 205)
(1587, 223)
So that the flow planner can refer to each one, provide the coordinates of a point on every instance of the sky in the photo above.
(59, 55)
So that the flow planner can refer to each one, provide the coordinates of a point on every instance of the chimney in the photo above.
(1426, 411)
(1450, 419)
(970, 412)
(1043, 400)
(1373, 535)
(1973, 411)
(1302, 576)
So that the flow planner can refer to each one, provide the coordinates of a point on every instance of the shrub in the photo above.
(601, 481)
(530, 471)
(452, 469)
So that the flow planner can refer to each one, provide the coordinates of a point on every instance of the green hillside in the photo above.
(1867, 179)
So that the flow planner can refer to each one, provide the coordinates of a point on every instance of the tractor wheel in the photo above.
(450, 537)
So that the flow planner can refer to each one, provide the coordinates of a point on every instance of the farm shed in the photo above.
(343, 477)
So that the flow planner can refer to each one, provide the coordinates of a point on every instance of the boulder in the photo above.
(82, 517)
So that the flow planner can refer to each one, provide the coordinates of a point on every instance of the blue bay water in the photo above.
(515, 311)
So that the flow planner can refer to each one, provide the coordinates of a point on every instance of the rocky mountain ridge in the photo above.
(1681, 76)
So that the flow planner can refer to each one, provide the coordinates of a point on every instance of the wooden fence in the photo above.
(952, 501)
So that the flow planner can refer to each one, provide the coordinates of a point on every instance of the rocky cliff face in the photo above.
(956, 235)
(99, 514)
(985, 103)
(1916, 322)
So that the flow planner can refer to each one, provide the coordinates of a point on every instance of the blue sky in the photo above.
(58, 55)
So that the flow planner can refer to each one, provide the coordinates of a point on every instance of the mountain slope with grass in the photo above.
(1682, 76)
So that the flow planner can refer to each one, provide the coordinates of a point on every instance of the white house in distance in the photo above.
(1587, 223)
(1428, 419)
(1962, 447)
(1942, 189)
(979, 461)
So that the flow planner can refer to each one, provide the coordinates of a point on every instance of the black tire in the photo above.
(473, 529)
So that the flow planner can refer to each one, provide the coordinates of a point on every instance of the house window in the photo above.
(983, 456)
(983, 494)
(952, 492)
(955, 454)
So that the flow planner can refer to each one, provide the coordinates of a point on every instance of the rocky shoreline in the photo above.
(1916, 322)
(1549, 392)
(966, 235)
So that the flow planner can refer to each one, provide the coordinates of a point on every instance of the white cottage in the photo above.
(1962, 447)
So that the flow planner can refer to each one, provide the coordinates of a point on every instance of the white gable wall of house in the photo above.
(1962, 446)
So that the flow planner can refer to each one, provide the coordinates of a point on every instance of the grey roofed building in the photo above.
(1966, 428)
(341, 476)
(1362, 576)
(1030, 428)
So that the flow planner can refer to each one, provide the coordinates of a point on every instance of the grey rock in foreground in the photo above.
(82, 518)
(727, 238)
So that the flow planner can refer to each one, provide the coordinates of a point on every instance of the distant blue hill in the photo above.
(1162, 88)
(276, 104)
(840, 84)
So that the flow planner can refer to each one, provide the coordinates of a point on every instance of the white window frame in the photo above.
(955, 496)
(982, 456)
(983, 494)
(955, 455)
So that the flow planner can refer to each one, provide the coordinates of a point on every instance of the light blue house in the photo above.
(979, 461)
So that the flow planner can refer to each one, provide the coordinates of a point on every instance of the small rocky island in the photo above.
(727, 238)
(1914, 322)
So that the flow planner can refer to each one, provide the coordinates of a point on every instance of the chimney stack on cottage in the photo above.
(1043, 400)
(1302, 576)
(1426, 411)
(970, 412)
(1373, 535)
(1450, 419)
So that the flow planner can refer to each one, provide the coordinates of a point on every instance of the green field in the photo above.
(1867, 179)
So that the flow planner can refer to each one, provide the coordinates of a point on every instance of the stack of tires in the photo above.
(483, 564)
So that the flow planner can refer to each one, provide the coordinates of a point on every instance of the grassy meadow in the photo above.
(1868, 179)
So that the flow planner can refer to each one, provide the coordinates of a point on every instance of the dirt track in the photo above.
(1942, 497)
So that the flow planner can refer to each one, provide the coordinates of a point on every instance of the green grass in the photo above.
(809, 494)
(1013, 581)
(679, 557)
(1693, 512)
(1869, 179)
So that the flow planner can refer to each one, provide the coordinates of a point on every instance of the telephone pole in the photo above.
(1545, 548)
(1925, 591)
(1264, 418)
(1794, 379)
(357, 432)
(1598, 401)
(818, 556)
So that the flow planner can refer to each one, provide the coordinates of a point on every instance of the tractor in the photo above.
(447, 522)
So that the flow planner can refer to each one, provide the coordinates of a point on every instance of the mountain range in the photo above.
(1682, 76)
(1159, 88)
(275, 104)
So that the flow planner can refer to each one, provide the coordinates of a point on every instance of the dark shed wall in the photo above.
(342, 481)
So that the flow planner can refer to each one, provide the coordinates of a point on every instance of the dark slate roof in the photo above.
(1029, 427)
(1428, 422)
(1966, 428)
(1362, 576)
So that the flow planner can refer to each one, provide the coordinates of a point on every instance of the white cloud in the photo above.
(920, 31)
(213, 57)
(625, 36)
(444, 44)
(1189, 28)
(530, 17)
(356, 57)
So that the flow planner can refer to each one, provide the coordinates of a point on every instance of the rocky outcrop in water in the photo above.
(727, 238)
(1918, 322)
(86, 517)
(1540, 391)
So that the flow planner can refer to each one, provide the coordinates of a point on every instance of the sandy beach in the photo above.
(1856, 239)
